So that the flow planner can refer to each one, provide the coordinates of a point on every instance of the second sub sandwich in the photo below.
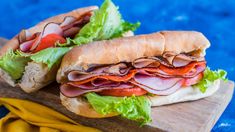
(31, 59)
(126, 76)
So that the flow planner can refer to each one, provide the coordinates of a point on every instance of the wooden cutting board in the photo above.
(196, 116)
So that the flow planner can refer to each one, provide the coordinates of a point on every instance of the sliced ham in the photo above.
(25, 46)
(70, 91)
(79, 76)
(154, 72)
(169, 59)
(71, 22)
(67, 20)
(155, 82)
(71, 32)
(145, 62)
(104, 82)
(152, 62)
(73, 91)
(115, 69)
(82, 20)
(183, 60)
(120, 69)
(73, 29)
(24, 35)
(92, 85)
(168, 91)
(94, 69)
(85, 86)
(52, 28)
(179, 60)
(36, 42)
(169, 56)
(124, 85)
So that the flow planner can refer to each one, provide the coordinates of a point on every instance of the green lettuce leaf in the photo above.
(136, 108)
(49, 56)
(13, 64)
(105, 23)
(125, 27)
(209, 77)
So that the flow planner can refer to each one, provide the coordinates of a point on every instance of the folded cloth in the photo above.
(27, 116)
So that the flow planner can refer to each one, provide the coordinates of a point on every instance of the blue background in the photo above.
(215, 19)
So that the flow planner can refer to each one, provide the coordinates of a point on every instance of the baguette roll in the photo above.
(37, 75)
(128, 49)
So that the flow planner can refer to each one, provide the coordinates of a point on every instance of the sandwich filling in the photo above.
(155, 75)
(52, 33)
(123, 88)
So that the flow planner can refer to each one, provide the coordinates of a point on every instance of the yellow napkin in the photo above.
(27, 116)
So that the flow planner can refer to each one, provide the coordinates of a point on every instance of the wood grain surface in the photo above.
(195, 116)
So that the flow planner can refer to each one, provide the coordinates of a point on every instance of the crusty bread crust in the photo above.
(36, 76)
(81, 107)
(185, 42)
(130, 48)
(27, 84)
(5, 76)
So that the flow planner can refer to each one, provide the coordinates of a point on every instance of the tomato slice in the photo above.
(49, 41)
(181, 70)
(192, 81)
(120, 92)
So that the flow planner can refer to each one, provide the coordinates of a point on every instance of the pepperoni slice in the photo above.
(181, 70)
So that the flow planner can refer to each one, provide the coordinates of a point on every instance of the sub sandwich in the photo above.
(31, 59)
(126, 76)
